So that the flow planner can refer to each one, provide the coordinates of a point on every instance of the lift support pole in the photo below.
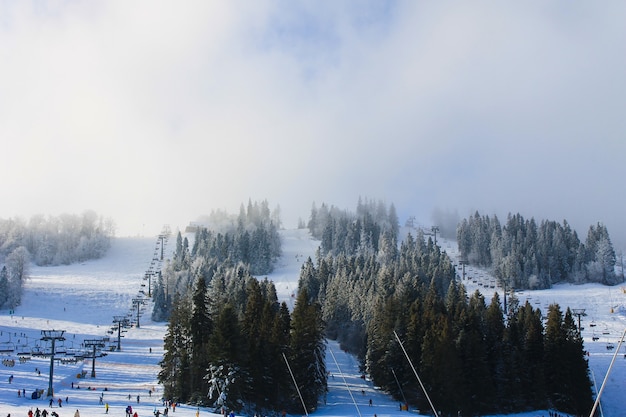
(53, 336)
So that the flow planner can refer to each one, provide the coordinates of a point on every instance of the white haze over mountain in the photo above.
(153, 111)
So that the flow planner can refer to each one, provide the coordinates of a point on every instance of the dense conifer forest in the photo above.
(228, 337)
(249, 240)
(473, 357)
(228, 333)
(525, 255)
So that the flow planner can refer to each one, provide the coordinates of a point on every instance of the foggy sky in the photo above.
(155, 112)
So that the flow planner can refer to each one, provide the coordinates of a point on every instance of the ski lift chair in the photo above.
(7, 347)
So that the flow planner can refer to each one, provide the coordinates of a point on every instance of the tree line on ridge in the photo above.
(525, 255)
(52, 240)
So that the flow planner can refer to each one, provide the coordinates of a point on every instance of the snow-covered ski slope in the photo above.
(83, 299)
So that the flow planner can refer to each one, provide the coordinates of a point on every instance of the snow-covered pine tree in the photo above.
(4, 287)
(17, 267)
(225, 378)
(175, 362)
(201, 326)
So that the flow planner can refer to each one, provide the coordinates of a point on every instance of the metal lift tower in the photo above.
(52, 336)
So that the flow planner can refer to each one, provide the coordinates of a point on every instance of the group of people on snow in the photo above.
(44, 413)
(59, 401)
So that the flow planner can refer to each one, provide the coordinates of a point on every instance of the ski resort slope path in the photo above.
(83, 299)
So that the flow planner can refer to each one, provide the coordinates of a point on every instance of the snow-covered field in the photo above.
(83, 299)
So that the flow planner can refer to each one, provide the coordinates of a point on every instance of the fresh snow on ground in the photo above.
(83, 299)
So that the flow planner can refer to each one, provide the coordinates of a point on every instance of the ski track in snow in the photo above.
(83, 298)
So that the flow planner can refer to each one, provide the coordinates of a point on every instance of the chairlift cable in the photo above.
(296, 385)
(416, 375)
(345, 382)
(595, 386)
(606, 377)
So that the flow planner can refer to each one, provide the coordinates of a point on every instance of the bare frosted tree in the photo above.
(17, 268)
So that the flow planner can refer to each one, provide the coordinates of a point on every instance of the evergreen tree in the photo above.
(388, 249)
(201, 327)
(416, 328)
(394, 223)
(178, 252)
(532, 372)
(4, 287)
(555, 364)
(578, 391)
(439, 361)
(494, 349)
(17, 264)
(566, 368)
(175, 364)
(476, 380)
(380, 338)
(605, 261)
(226, 378)
(308, 279)
(513, 356)
(255, 340)
(161, 308)
(279, 379)
(307, 351)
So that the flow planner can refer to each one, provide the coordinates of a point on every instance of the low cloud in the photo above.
(156, 113)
